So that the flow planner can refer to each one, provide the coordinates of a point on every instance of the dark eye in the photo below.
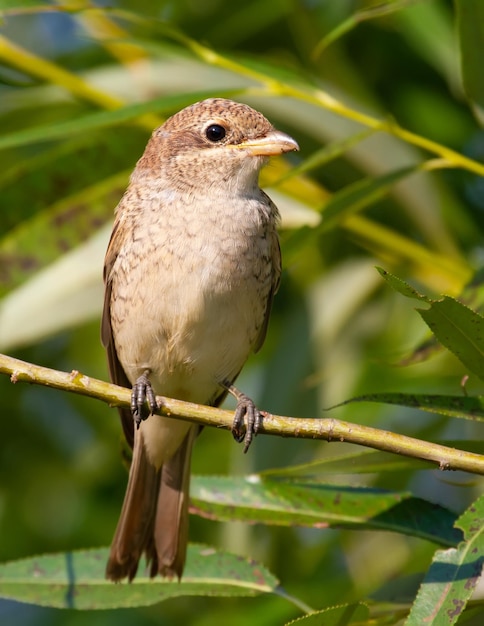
(215, 132)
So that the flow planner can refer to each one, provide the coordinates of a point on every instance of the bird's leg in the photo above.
(247, 417)
(142, 392)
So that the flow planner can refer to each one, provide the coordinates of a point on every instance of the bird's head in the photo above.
(211, 142)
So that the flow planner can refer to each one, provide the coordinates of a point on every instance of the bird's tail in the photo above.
(171, 521)
(154, 516)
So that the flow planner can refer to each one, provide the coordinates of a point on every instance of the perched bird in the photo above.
(190, 272)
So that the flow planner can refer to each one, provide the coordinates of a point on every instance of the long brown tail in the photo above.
(154, 516)
(171, 522)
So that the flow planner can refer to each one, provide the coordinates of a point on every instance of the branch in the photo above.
(327, 429)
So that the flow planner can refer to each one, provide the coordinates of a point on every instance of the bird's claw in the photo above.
(141, 393)
(247, 420)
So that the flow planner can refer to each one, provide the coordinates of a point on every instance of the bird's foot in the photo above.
(247, 418)
(142, 392)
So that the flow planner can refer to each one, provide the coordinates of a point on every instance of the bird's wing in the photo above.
(116, 371)
(276, 279)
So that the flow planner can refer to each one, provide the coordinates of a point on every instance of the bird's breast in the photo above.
(190, 291)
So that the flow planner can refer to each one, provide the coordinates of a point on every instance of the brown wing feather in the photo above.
(276, 279)
(116, 371)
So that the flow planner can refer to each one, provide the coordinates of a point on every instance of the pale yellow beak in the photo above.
(271, 144)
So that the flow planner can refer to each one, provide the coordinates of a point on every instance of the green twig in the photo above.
(328, 429)
(318, 97)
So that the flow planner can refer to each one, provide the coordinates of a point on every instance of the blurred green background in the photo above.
(337, 329)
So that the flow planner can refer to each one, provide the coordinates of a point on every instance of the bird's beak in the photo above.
(271, 144)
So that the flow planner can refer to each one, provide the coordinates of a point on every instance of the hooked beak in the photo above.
(275, 142)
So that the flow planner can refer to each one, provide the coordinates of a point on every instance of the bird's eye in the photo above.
(215, 132)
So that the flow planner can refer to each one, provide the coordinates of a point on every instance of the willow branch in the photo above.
(328, 429)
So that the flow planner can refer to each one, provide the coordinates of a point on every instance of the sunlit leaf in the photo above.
(61, 302)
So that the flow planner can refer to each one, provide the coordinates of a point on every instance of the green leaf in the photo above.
(75, 580)
(456, 326)
(402, 287)
(32, 183)
(467, 407)
(335, 616)
(57, 229)
(453, 575)
(460, 330)
(470, 29)
(317, 505)
(61, 302)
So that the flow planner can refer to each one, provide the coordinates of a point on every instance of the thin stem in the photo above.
(321, 98)
(30, 64)
(328, 429)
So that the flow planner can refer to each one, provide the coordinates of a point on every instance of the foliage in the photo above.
(386, 102)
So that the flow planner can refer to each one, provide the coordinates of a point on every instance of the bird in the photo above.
(190, 272)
